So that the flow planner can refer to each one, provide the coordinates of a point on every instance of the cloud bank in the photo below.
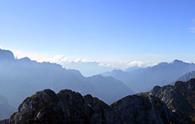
(86, 66)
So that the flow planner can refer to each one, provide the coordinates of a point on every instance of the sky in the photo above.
(116, 32)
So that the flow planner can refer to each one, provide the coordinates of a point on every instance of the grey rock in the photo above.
(69, 107)
(143, 109)
(180, 98)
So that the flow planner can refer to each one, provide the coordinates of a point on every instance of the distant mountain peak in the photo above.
(25, 59)
(159, 74)
(6, 55)
(178, 61)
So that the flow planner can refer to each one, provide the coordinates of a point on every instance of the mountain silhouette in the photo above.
(143, 79)
(69, 107)
(187, 76)
(22, 77)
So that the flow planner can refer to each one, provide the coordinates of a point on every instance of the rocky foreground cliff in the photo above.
(163, 105)
(179, 98)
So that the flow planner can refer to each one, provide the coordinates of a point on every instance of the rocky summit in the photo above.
(69, 107)
(179, 98)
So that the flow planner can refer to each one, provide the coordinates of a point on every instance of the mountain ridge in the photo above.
(17, 75)
(47, 107)
(160, 74)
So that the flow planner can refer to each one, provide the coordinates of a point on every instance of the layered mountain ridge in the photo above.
(187, 76)
(169, 104)
(162, 105)
(161, 74)
(24, 76)
(68, 107)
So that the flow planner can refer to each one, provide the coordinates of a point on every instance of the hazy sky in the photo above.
(107, 30)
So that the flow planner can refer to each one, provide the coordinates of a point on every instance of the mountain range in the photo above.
(187, 76)
(20, 78)
(143, 79)
(162, 105)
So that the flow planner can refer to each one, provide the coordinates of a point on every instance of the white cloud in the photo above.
(34, 56)
(61, 59)
(47, 58)
(123, 64)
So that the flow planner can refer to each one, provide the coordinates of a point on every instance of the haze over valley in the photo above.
(24, 76)
(97, 62)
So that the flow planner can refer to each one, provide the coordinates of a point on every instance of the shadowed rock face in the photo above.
(179, 98)
(144, 109)
(68, 107)
(173, 98)
(187, 89)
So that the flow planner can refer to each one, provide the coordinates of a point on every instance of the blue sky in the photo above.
(100, 30)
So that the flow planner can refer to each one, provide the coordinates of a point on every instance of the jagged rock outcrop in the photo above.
(69, 107)
(173, 98)
(144, 109)
(180, 98)
(187, 89)
(66, 107)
